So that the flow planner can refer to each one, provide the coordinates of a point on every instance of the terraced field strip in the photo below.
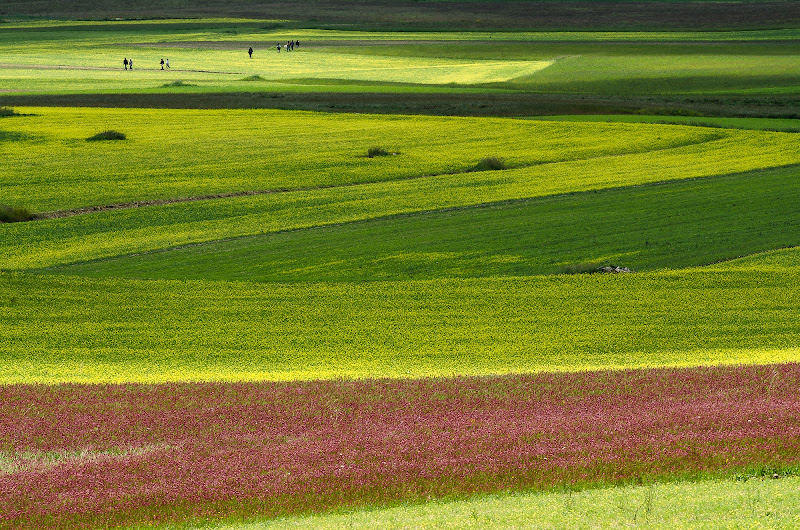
(672, 225)
(62, 328)
(269, 449)
(171, 154)
(599, 157)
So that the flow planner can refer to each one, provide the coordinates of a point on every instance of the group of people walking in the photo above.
(289, 46)
(128, 63)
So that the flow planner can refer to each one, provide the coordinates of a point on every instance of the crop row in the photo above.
(141, 453)
(59, 328)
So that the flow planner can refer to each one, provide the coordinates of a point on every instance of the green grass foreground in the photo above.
(754, 503)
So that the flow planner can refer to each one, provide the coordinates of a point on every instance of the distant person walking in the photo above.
(250, 52)
(130, 64)
(125, 63)
(162, 64)
(279, 48)
(167, 63)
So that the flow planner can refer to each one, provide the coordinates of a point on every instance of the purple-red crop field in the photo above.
(105, 455)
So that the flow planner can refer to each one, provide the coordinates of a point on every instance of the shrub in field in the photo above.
(372, 152)
(491, 163)
(14, 214)
(5, 112)
(107, 135)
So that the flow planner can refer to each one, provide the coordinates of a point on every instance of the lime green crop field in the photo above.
(409, 272)
(416, 263)
(59, 329)
(261, 150)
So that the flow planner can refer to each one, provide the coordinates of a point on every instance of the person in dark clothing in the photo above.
(125, 63)
(250, 52)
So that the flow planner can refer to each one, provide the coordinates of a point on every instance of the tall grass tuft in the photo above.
(491, 163)
(374, 151)
(107, 135)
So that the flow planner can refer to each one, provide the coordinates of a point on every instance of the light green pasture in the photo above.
(717, 504)
(215, 56)
(188, 153)
(60, 328)
(101, 70)
(78, 56)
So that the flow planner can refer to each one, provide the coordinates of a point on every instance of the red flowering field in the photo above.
(105, 455)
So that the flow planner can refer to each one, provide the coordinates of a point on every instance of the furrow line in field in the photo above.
(58, 214)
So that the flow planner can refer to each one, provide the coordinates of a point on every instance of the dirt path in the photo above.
(142, 204)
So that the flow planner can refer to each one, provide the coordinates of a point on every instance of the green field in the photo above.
(149, 331)
(725, 73)
(241, 232)
(763, 503)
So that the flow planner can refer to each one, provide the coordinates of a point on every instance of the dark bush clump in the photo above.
(490, 164)
(5, 112)
(106, 135)
(372, 152)
(12, 214)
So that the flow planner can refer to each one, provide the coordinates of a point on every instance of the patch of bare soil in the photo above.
(141, 204)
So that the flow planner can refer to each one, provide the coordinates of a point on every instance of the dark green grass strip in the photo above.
(668, 225)
(398, 100)
(434, 14)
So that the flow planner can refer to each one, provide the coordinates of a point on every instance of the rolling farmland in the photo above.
(257, 306)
